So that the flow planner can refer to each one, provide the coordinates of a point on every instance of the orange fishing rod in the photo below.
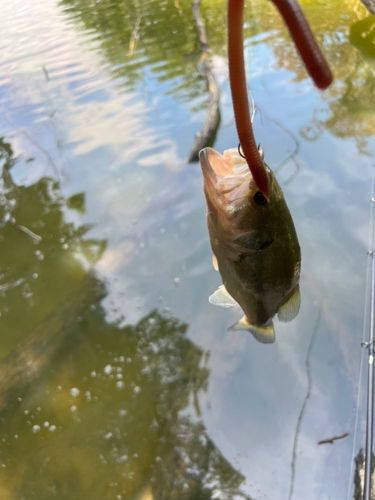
(310, 53)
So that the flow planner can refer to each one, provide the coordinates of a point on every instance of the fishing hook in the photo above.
(261, 152)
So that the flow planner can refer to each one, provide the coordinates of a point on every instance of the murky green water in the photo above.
(118, 380)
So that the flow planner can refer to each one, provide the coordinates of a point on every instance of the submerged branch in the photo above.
(300, 417)
(334, 438)
(24, 229)
(211, 123)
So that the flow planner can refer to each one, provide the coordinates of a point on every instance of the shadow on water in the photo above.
(91, 409)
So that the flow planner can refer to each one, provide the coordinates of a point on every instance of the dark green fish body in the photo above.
(254, 243)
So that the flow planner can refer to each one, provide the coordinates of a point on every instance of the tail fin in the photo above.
(263, 334)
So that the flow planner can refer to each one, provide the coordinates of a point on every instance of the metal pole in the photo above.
(370, 386)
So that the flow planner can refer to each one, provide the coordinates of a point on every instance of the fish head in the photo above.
(235, 206)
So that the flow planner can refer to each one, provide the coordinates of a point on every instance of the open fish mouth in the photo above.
(226, 176)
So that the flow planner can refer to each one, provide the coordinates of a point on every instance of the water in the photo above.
(118, 378)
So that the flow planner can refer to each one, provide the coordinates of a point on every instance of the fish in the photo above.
(254, 244)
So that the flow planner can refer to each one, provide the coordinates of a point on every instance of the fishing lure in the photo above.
(253, 239)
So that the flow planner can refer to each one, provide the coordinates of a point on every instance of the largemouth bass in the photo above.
(254, 244)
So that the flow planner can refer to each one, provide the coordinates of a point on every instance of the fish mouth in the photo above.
(214, 165)
(226, 176)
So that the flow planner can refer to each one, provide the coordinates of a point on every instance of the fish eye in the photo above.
(259, 198)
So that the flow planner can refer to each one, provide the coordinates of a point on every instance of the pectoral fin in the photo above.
(290, 308)
(264, 334)
(222, 298)
(214, 262)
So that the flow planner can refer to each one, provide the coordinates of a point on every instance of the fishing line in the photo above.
(292, 155)
(365, 326)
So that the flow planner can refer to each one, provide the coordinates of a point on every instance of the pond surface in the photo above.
(118, 379)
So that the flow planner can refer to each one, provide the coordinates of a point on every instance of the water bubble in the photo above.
(73, 409)
(120, 384)
(93, 374)
(108, 370)
(35, 428)
(151, 321)
(38, 409)
(3, 465)
(52, 428)
(74, 392)
(119, 376)
(122, 413)
(121, 359)
(177, 281)
(162, 230)
(146, 370)
(137, 389)
(135, 455)
(16, 436)
(59, 388)
(62, 239)
(122, 459)
(35, 275)
(115, 360)
(119, 369)
(109, 435)
(65, 246)
(46, 424)
(26, 412)
(128, 360)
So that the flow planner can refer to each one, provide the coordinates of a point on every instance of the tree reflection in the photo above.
(168, 49)
(36, 275)
(91, 409)
(340, 29)
(167, 43)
